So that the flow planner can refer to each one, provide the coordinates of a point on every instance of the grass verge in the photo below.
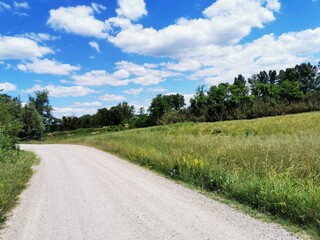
(270, 164)
(15, 171)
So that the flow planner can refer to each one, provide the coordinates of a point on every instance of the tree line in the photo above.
(267, 93)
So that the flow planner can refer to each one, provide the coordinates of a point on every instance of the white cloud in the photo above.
(46, 66)
(274, 5)
(88, 104)
(147, 80)
(23, 5)
(132, 9)
(133, 91)
(21, 48)
(187, 98)
(224, 23)
(101, 77)
(158, 90)
(39, 37)
(7, 87)
(98, 7)
(112, 98)
(265, 53)
(4, 6)
(184, 65)
(144, 74)
(94, 45)
(61, 91)
(72, 111)
(78, 20)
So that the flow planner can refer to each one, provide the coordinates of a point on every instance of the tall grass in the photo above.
(271, 164)
(15, 171)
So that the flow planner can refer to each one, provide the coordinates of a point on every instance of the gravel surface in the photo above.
(79, 193)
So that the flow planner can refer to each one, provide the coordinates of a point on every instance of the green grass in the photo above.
(270, 164)
(15, 171)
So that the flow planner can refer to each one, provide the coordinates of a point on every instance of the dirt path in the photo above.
(82, 193)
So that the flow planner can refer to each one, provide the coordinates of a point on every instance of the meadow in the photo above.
(270, 164)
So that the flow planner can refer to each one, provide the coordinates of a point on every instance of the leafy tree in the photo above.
(217, 99)
(103, 117)
(121, 113)
(308, 77)
(199, 106)
(10, 122)
(33, 122)
(176, 101)
(162, 104)
(42, 105)
(239, 92)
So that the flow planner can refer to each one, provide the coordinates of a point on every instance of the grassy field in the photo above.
(15, 172)
(271, 164)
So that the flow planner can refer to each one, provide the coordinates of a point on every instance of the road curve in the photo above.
(79, 193)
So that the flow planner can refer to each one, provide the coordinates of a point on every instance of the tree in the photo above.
(308, 77)
(42, 105)
(121, 113)
(199, 104)
(10, 122)
(33, 127)
(162, 104)
(239, 92)
(175, 101)
(158, 107)
(218, 98)
(103, 117)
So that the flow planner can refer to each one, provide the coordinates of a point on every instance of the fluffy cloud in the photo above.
(101, 77)
(144, 74)
(94, 45)
(184, 65)
(78, 20)
(112, 98)
(157, 90)
(132, 9)
(7, 87)
(72, 111)
(46, 66)
(21, 48)
(224, 23)
(61, 91)
(133, 91)
(88, 104)
(267, 52)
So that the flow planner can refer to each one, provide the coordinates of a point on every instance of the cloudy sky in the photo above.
(94, 55)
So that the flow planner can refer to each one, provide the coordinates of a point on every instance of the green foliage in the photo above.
(42, 105)
(15, 166)
(199, 104)
(15, 171)
(163, 104)
(271, 164)
(34, 127)
(10, 123)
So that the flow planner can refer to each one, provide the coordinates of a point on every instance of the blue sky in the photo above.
(90, 55)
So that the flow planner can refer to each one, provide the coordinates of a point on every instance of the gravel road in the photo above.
(79, 193)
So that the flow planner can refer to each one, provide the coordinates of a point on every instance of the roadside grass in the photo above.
(15, 171)
(270, 164)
